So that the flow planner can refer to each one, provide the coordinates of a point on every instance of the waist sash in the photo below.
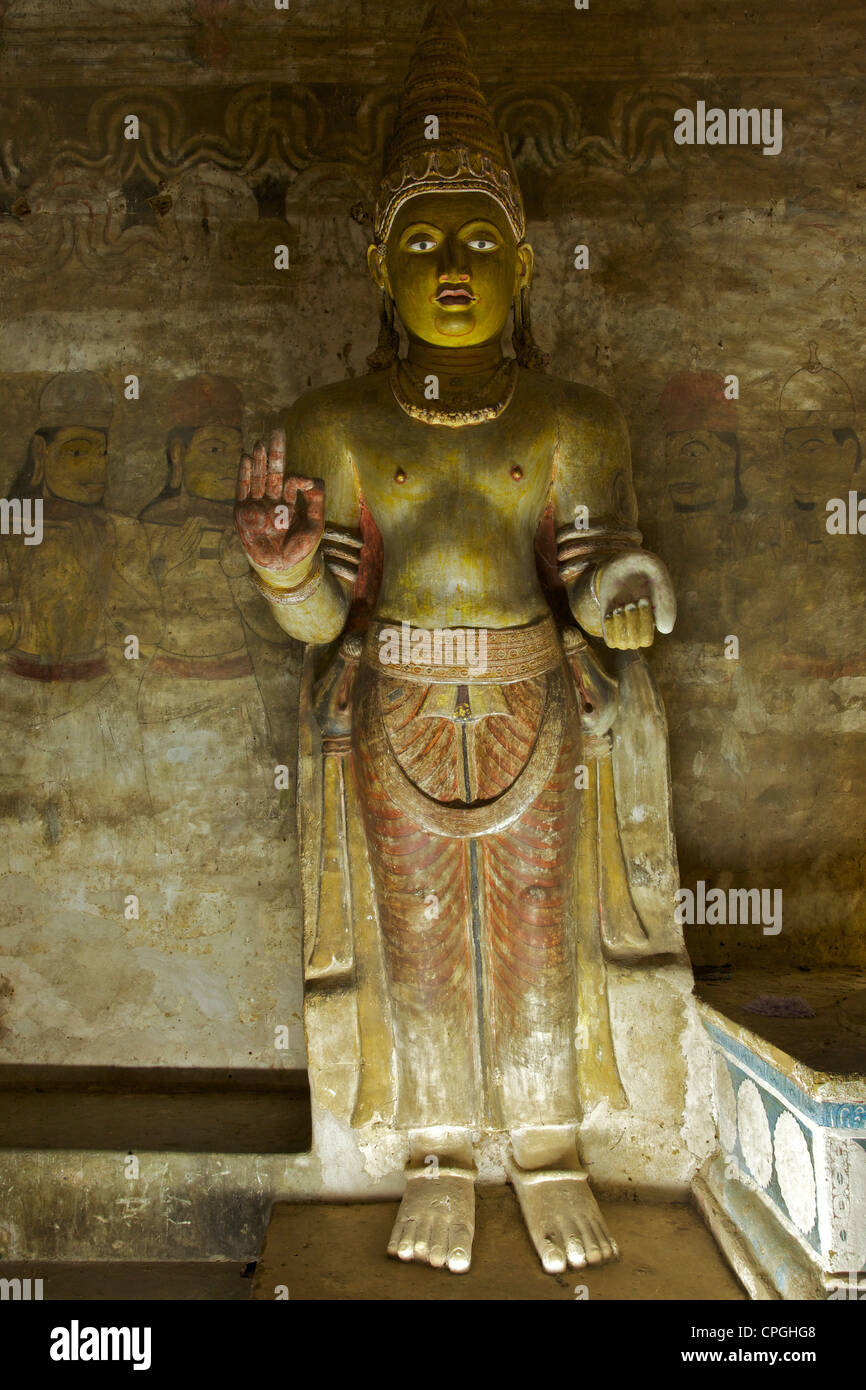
(459, 820)
(462, 655)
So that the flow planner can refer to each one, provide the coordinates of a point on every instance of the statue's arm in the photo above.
(255, 614)
(616, 589)
(280, 516)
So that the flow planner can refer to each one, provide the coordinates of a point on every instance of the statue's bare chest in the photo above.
(477, 476)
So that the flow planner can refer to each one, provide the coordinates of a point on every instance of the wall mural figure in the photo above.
(702, 448)
(821, 450)
(206, 736)
(484, 800)
(821, 460)
(71, 750)
(702, 514)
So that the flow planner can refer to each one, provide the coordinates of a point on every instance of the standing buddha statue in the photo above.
(453, 535)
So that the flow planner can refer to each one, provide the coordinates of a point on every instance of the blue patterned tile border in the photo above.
(826, 1114)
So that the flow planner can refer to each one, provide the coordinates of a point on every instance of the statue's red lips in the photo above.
(455, 294)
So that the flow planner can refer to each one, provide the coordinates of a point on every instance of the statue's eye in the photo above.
(482, 243)
(421, 243)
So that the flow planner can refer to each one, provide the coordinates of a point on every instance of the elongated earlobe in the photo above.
(526, 350)
(387, 349)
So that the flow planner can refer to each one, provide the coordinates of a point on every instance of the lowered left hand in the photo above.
(635, 596)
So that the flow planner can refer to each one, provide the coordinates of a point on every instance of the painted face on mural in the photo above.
(452, 266)
(700, 470)
(210, 462)
(820, 462)
(73, 465)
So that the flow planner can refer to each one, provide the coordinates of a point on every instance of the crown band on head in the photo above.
(468, 154)
(471, 173)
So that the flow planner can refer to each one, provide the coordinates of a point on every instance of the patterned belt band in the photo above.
(462, 655)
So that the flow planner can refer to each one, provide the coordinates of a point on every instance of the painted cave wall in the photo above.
(146, 785)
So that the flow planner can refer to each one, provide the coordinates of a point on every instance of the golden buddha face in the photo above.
(452, 265)
(208, 464)
(73, 464)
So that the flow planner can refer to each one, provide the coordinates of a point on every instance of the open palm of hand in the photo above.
(280, 519)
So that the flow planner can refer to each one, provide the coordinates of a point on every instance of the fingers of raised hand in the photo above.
(259, 470)
(276, 465)
(315, 499)
(245, 474)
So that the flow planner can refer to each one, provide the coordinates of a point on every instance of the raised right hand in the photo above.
(280, 520)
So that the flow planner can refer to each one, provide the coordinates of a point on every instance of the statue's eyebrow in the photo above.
(481, 222)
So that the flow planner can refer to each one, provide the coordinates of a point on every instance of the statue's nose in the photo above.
(454, 264)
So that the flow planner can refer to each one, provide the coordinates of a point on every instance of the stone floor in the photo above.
(336, 1252)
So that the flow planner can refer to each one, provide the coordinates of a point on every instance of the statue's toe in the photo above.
(406, 1247)
(594, 1255)
(460, 1249)
(552, 1255)
(575, 1252)
(438, 1242)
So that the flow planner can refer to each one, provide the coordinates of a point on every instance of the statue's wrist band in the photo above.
(284, 597)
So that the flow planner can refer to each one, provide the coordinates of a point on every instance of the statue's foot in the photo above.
(436, 1220)
(562, 1218)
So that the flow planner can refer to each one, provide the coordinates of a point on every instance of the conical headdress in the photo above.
(814, 395)
(470, 154)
